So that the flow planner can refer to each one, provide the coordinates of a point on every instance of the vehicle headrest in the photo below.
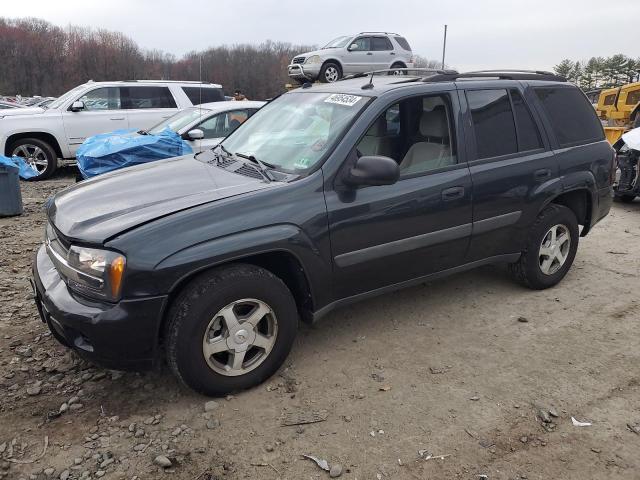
(434, 123)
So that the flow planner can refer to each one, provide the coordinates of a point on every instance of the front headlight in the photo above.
(313, 59)
(99, 272)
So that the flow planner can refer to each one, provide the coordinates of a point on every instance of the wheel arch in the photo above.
(399, 63)
(333, 60)
(581, 202)
(43, 136)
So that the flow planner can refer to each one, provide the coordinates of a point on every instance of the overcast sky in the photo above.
(482, 33)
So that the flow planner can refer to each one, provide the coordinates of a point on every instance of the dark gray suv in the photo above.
(327, 195)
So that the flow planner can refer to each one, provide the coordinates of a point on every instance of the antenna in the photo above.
(200, 95)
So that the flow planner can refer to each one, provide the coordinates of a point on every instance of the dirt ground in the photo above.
(469, 377)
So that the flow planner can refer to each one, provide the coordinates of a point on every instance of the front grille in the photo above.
(249, 171)
(298, 60)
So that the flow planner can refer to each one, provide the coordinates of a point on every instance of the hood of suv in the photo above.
(323, 52)
(95, 210)
(12, 112)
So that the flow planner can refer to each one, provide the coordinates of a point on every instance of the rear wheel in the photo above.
(38, 154)
(230, 329)
(330, 72)
(398, 69)
(550, 250)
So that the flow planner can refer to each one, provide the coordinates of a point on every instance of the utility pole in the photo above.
(444, 45)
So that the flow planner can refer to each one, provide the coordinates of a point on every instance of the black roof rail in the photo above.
(501, 74)
(386, 33)
(387, 70)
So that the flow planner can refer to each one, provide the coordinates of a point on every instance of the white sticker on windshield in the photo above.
(343, 99)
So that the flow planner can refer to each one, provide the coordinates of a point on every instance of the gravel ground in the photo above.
(468, 377)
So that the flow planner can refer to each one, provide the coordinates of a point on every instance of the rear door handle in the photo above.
(452, 193)
(542, 174)
(116, 118)
(392, 53)
(369, 53)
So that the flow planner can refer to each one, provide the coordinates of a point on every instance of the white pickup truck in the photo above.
(43, 135)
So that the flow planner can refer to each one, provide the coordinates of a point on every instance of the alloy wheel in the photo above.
(33, 155)
(331, 74)
(240, 337)
(554, 249)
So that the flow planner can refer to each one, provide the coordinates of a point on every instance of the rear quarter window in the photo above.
(403, 43)
(199, 95)
(572, 117)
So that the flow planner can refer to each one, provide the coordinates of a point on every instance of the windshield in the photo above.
(179, 120)
(338, 42)
(295, 131)
(66, 96)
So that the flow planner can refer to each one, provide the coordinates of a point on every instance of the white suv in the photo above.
(42, 135)
(364, 52)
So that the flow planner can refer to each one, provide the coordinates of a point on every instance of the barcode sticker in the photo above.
(343, 99)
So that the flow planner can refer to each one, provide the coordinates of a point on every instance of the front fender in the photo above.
(176, 268)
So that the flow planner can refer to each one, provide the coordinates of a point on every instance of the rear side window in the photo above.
(572, 117)
(403, 43)
(199, 95)
(147, 97)
(381, 43)
(493, 124)
(633, 97)
(528, 133)
(610, 99)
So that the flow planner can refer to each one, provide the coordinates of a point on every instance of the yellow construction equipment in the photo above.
(619, 108)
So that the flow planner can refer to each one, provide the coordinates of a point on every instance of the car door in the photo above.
(218, 127)
(102, 113)
(383, 54)
(147, 105)
(510, 162)
(359, 57)
(387, 235)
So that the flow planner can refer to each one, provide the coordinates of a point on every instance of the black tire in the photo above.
(327, 67)
(624, 198)
(527, 269)
(198, 304)
(48, 150)
(400, 72)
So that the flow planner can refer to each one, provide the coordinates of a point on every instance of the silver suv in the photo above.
(351, 54)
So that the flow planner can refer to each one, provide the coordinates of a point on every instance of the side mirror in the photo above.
(77, 106)
(373, 170)
(195, 134)
(352, 47)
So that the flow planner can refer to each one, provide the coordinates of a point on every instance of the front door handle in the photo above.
(116, 118)
(369, 53)
(542, 174)
(452, 193)
(392, 53)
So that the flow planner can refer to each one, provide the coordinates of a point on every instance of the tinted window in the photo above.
(362, 44)
(381, 43)
(633, 97)
(610, 99)
(528, 133)
(199, 95)
(572, 117)
(492, 122)
(107, 98)
(403, 43)
(147, 97)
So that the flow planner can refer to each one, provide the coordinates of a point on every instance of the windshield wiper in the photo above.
(263, 166)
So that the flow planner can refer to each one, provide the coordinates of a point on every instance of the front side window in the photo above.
(135, 98)
(297, 130)
(223, 124)
(362, 44)
(572, 117)
(633, 97)
(610, 99)
(106, 98)
(493, 123)
(381, 43)
(415, 132)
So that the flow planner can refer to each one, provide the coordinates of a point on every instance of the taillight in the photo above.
(614, 167)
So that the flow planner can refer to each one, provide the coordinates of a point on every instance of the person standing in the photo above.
(238, 96)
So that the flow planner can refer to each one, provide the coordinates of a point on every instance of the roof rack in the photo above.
(501, 74)
(387, 70)
(169, 81)
(386, 33)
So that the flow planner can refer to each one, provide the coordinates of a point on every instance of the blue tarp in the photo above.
(25, 170)
(125, 148)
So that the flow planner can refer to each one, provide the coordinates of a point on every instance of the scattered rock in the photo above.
(475, 398)
(523, 319)
(336, 470)
(634, 427)
(437, 370)
(162, 461)
(544, 416)
(65, 474)
(524, 439)
(33, 391)
(553, 412)
(210, 406)
(213, 423)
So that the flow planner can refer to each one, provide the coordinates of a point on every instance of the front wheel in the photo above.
(330, 72)
(37, 153)
(230, 329)
(550, 250)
